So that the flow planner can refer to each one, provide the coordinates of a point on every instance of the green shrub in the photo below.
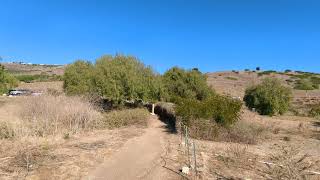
(125, 117)
(241, 132)
(304, 84)
(78, 78)
(266, 72)
(268, 98)
(315, 111)
(231, 78)
(222, 110)
(180, 83)
(7, 81)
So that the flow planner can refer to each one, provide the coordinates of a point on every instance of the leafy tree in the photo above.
(78, 78)
(180, 83)
(122, 78)
(268, 98)
(7, 81)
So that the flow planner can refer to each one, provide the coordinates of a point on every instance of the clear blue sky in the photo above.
(212, 35)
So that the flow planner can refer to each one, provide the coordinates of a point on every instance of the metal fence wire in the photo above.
(189, 148)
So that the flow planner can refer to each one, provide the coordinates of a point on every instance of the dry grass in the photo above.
(125, 117)
(50, 115)
(43, 86)
(242, 132)
(6, 130)
(237, 156)
(289, 163)
(59, 136)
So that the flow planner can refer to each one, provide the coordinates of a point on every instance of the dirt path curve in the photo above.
(139, 158)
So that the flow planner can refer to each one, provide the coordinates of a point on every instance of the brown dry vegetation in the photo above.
(59, 137)
(288, 149)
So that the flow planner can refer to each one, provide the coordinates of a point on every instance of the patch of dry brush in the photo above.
(39, 124)
(50, 115)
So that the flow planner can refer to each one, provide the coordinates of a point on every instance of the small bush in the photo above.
(315, 111)
(126, 117)
(231, 78)
(241, 132)
(266, 72)
(268, 98)
(304, 84)
(6, 130)
(220, 109)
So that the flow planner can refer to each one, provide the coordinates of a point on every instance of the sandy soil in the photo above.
(139, 158)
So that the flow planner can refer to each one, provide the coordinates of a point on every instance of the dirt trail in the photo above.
(139, 158)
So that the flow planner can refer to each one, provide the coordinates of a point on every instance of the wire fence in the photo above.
(189, 149)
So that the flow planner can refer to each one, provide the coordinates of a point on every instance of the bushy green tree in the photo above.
(269, 97)
(7, 81)
(121, 78)
(78, 78)
(180, 83)
(115, 78)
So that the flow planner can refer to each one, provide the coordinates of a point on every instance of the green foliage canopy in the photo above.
(78, 78)
(219, 109)
(115, 78)
(7, 81)
(121, 78)
(268, 98)
(180, 83)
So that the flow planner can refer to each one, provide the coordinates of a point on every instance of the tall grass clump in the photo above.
(6, 130)
(315, 111)
(124, 117)
(48, 115)
(268, 98)
(304, 84)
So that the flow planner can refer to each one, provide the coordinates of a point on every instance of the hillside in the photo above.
(33, 69)
(234, 83)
